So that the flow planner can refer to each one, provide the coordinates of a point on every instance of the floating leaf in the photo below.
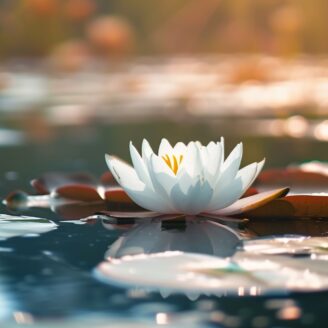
(117, 195)
(293, 206)
(292, 245)
(84, 188)
(196, 274)
(297, 179)
(107, 180)
(51, 181)
(13, 226)
(80, 192)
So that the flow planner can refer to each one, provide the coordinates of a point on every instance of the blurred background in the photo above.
(82, 77)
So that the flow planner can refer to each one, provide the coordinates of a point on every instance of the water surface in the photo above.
(50, 276)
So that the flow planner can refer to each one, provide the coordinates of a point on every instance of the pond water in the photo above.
(57, 271)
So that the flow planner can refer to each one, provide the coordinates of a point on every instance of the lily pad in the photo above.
(306, 178)
(14, 226)
(293, 206)
(292, 245)
(307, 197)
(196, 274)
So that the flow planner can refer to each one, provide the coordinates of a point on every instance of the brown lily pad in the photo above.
(50, 182)
(80, 192)
(292, 206)
(296, 178)
(117, 195)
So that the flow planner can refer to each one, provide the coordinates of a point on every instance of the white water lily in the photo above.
(187, 179)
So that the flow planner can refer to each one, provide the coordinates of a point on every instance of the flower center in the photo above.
(173, 162)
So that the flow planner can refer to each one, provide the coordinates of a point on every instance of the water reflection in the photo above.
(201, 257)
(195, 236)
(244, 274)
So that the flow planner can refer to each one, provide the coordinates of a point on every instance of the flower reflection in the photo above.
(156, 236)
(244, 272)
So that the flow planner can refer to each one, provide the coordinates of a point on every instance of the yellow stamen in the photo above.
(175, 165)
(167, 160)
(172, 162)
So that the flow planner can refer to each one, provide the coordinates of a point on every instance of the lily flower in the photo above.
(190, 179)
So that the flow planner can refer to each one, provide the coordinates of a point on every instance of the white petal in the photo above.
(251, 202)
(225, 195)
(192, 193)
(247, 174)
(210, 162)
(195, 200)
(191, 162)
(146, 150)
(230, 167)
(231, 164)
(215, 156)
(198, 144)
(213, 151)
(165, 148)
(149, 200)
(204, 155)
(259, 167)
(163, 179)
(228, 192)
(184, 180)
(162, 173)
(179, 149)
(221, 143)
(126, 176)
(140, 167)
